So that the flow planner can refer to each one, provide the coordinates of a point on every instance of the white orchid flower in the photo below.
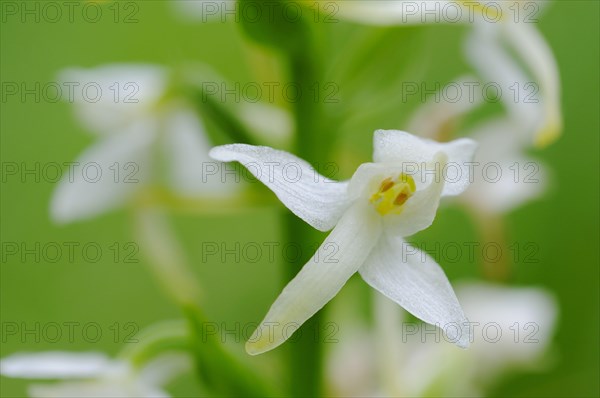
(513, 329)
(370, 215)
(500, 29)
(514, 177)
(138, 127)
(92, 374)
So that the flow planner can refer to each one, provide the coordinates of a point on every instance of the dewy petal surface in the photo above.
(54, 365)
(416, 282)
(104, 176)
(338, 258)
(317, 200)
(395, 146)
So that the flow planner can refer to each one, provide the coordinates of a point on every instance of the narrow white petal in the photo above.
(394, 146)
(104, 176)
(111, 97)
(497, 68)
(415, 281)
(537, 55)
(317, 200)
(54, 365)
(192, 171)
(338, 258)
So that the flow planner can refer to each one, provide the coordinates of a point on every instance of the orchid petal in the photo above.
(413, 279)
(394, 146)
(54, 365)
(104, 176)
(537, 55)
(338, 258)
(317, 200)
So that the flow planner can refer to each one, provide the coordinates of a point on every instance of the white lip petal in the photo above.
(55, 365)
(416, 282)
(317, 200)
(395, 146)
(192, 171)
(338, 258)
(104, 176)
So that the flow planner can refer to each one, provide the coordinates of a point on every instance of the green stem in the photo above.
(305, 353)
(217, 368)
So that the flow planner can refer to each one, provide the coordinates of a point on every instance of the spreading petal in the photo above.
(54, 365)
(104, 176)
(338, 258)
(317, 200)
(394, 146)
(416, 282)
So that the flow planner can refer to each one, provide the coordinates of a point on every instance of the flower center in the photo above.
(392, 194)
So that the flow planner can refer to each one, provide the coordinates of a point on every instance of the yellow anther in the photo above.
(392, 194)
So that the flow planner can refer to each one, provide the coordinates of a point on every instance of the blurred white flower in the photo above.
(371, 213)
(503, 39)
(92, 374)
(514, 179)
(138, 127)
(513, 330)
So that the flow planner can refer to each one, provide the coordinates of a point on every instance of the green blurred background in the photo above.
(564, 223)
